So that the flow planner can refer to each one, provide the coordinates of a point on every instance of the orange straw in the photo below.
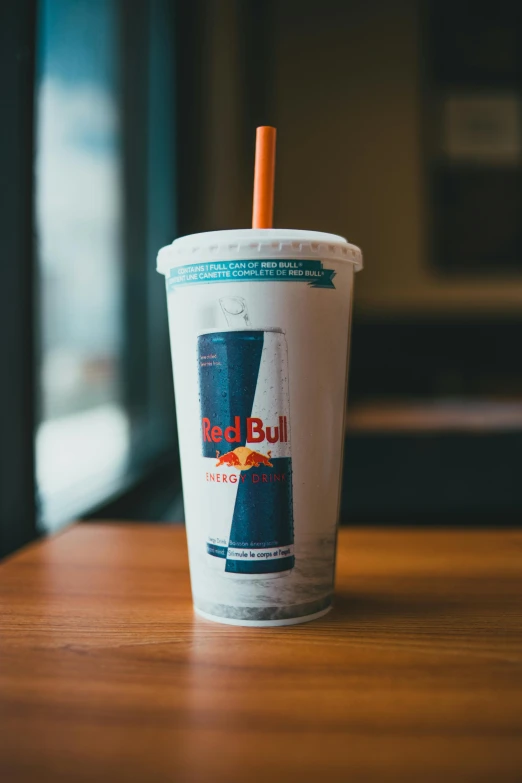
(264, 175)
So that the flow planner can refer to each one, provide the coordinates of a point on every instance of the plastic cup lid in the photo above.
(250, 243)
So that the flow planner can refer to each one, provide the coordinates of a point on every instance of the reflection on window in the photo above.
(83, 439)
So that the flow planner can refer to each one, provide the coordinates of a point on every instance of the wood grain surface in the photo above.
(435, 416)
(106, 675)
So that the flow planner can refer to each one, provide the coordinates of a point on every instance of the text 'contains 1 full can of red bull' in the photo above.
(245, 439)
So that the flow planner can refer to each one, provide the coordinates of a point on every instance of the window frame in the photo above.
(17, 345)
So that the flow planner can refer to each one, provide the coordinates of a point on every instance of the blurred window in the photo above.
(82, 442)
(93, 427)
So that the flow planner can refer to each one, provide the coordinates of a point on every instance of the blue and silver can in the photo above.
(245, 440)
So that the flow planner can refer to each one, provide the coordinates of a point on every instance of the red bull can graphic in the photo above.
(245, 440)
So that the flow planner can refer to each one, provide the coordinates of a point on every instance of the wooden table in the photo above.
(106, 675)
(435, 416)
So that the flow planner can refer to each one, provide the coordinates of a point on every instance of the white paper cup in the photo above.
(259, 327)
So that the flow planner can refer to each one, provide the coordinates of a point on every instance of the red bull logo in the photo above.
(243, 458)
(253, 429)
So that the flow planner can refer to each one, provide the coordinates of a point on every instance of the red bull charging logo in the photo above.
(255, 431)
(243, 458)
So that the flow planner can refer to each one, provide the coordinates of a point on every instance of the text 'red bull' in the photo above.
(255, 430)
